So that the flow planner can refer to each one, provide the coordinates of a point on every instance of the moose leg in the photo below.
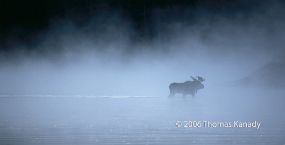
(193, 94)
(171, 94)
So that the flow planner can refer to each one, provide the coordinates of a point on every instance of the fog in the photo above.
(104, 59)
(128, 75)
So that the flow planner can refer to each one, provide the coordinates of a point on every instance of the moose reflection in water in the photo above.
(187, 88)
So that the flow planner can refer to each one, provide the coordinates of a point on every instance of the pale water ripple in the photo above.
(116, 120)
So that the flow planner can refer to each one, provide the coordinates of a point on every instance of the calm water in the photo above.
(80, 120)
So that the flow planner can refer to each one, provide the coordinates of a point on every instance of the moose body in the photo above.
(186, 88)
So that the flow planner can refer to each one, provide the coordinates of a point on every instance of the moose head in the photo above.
(199, 78)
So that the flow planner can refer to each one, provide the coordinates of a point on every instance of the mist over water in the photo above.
(79, 59)
(104, 81)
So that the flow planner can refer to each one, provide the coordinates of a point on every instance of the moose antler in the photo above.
(200, 79)
(193, 78)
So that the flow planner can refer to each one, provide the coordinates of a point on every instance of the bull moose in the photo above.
(187, 88)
